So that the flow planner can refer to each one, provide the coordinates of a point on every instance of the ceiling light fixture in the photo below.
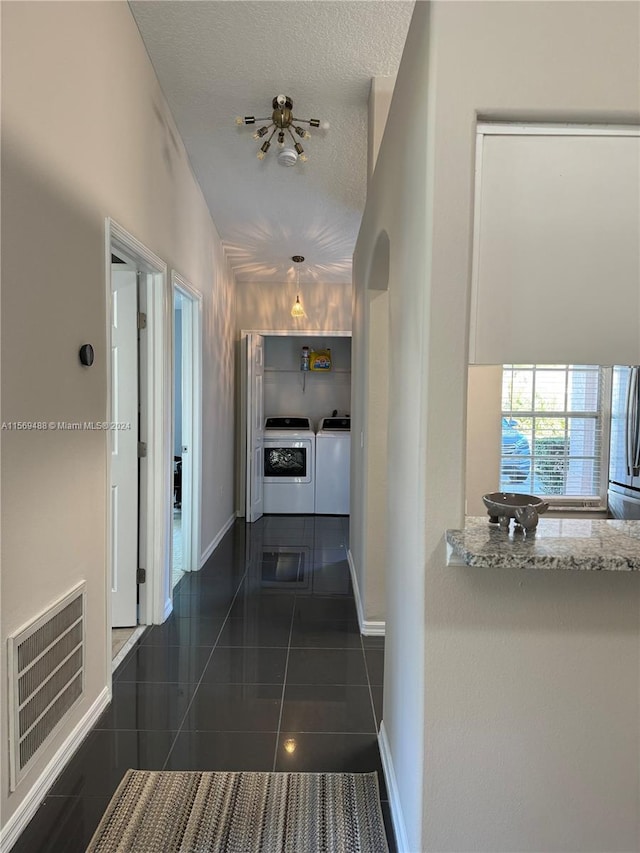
(283, 122)
(297, 310)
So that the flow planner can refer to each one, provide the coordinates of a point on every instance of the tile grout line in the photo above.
(242, 579)
(214, 647)
(178, 729)
(284, 685)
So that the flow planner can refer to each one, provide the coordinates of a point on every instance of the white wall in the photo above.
(511, 700)
(578, 196)
(86, 134)
(311, 394)
(368, 529)
(267, 305)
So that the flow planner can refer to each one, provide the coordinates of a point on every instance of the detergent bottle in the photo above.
(304, 359)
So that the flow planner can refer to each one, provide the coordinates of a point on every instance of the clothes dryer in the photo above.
(289, 465)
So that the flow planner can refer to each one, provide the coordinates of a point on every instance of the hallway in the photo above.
(261, 667)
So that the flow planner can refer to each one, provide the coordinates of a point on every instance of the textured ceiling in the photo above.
(217, 59)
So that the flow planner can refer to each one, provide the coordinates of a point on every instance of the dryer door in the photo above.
(288, 461)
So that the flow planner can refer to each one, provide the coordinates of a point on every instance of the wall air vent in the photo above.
(46, 677)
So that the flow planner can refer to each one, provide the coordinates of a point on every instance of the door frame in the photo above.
(155, 396)
(192, 383)
(254, 435)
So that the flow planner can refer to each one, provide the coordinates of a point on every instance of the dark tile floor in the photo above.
(260, 667)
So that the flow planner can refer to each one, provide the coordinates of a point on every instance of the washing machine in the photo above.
(289, 465)
(333, 455)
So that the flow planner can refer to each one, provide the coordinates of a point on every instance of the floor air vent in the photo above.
(46, 676)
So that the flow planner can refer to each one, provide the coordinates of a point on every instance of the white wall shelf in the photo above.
(308, 372)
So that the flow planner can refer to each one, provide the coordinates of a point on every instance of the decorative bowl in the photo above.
(525, 509)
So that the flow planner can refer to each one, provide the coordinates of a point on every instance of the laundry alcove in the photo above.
(282, 389)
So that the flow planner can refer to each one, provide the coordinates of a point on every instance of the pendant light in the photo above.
(297, 311)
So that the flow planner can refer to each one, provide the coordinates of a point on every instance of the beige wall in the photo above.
(484, 435)
(267, 305)
(86, 134)
(367, 531)
(379, 102)
(511, 700)
(396, 206)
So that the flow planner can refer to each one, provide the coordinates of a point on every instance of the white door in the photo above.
(255, 426)
(187, 405)
(124, 447)
(186, 419)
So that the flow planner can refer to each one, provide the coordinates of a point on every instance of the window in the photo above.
(553, 433)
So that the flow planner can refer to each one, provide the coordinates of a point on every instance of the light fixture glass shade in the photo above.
(297, 310)
(287, 157)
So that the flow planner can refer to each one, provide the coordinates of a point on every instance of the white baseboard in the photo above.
(368, 627)
(213, 545)
(397, 817)
(10, 832)
(373, 629)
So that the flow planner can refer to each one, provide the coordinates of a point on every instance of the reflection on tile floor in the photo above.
(176, 554)
(260, 667)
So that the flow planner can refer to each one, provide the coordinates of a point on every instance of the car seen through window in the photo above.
(516, 453)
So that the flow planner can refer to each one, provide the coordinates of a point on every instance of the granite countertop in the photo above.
(602, 545)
